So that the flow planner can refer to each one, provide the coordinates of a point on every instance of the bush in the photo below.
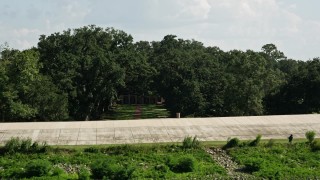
(57, 171)
(256, 141)
(234, 142)
(190, 143)
(253, 164)
(310, 135)
(15, 144)
(38, 168)
(84, 173)
(91, 150)
(315, 146)
(183, 164)
(161, 168)
(25, 145)
(270, 143)
(110, 170)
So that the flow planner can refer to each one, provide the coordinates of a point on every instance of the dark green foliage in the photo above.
(270, 143)
(79, 74)
(182, 164)
(91, 150)
(190, 143)
(296, 161)
(315, 145)
(161, 168)
(300, 94)
(15, 145)
(26, 93)
(84, 174)
(111, 170)
(26, 145)
(88, 65)
(310, 135)
(234, 142)
(56, 171)
(38, 168)
(113, 162)
(256, 141)
(253, 164)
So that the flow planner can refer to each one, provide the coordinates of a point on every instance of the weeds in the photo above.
(38, 168)
(310, 135)
(256, 141)
(182, 164)
(270, 143)
(111, 162)
(191, 143)
(15, 145)
(315, 145)
(231, 143)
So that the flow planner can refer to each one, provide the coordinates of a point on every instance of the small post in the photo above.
(178, 115)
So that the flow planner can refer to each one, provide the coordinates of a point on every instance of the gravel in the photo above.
(224, 160)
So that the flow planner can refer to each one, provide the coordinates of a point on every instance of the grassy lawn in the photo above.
(279, 161)
(112, 162)
(124, 112)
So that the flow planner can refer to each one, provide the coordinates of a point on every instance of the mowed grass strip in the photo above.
(128, 112)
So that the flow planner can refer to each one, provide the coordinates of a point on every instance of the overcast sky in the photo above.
(292, 25)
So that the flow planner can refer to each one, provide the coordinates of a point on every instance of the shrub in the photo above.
(190, 143)
(161, 168)
(25, 145)
(16, 144)
(315, 146)
(244, 144)
(57, 171)
(234, 142)
(91, 150)
(84, 173)
(310, 135)
(43, 148)
(253, 164)
(181, 165)
(38, 168)
(110, 170)
(270, 143)
(256, 141)
(13, 145)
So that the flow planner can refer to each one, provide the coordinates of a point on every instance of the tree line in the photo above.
(78, 74)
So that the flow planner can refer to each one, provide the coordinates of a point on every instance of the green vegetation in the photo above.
(278, 161)
(315, 145)
(79, 74)
(17, 145)
(310, 135)
(234, 142)
(123, 112)
(111, 162)
(256, 141)
(191, 143)
(267, 159)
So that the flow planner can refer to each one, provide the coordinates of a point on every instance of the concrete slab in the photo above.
(109, 141)
(81, 142)
(161, 130)
(67, 142)
(123, 133)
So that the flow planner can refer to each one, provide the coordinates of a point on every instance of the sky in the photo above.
(292, 25)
